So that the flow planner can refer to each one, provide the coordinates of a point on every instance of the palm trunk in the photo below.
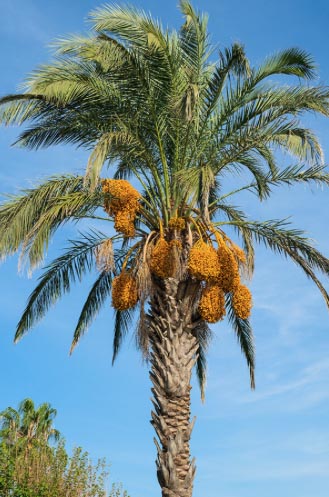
(173, 356)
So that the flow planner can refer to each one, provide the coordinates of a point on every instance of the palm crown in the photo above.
(28, 424)
(176, 117)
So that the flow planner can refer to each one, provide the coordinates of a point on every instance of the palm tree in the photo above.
(177, 117)
(28, 424)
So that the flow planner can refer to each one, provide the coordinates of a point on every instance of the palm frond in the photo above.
(30, 219)
(99, 292)
(16, 109)
(57, 280)
(292, 243)
(204, 335)
(232, 60)
(308, 271)
(122, 324)
(292, 61)
(278, 236)
(245, 338)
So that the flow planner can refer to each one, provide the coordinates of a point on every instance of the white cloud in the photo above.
(317, 372)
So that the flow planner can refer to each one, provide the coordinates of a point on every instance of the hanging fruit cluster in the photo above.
(229, 274)
(122, 203)
(212, 303)
(163, 261)
(220, 270)
(242, 301)
(203, 263)
(124, 291)
(177, 223)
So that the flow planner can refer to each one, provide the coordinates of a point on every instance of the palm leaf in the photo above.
(122, 324)
(30, 219)
(100, 290)
(245, 337)
(204, 335)
(57, 280)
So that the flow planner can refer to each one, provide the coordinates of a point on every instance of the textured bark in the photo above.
(172, 358)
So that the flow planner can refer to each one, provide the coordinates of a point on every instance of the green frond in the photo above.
(204, 335)
(16, 109)
(298, 174)
(126, 22)
(195, 51)
(250, 161)
(308, 271)
(19, 214)
(249, 118)
(292, 62)
(245, 338)
(277, 236)
(232, 60)
(57, 280)
(28, 220)
(301, 143)
(68, 81)
(99, 292)
(122, 324)
(107, 147)
(289, 175)
(96, 160)
(107, 54)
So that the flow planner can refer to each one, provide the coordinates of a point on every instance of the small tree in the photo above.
(46, 470)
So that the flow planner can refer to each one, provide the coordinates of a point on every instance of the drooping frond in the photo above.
(291, 243)
(204, 336)
(122, 324)
(288, 176)
(277, 236)
(97, 296)
(28, 220)
(232, 60)
(245, 337)
(292, 62)
(57, 280)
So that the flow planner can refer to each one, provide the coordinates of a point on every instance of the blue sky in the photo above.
(274, 441)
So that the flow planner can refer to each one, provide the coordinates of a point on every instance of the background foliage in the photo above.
(35, 467)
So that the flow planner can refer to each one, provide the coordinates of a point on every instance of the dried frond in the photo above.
(242, 302)
(124, 291)
(203, 262)
(239, 253)
(142, 333)
(105, 256)
(245, 259)
(212, 303)
(143, 279)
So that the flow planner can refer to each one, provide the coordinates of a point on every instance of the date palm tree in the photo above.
(177, 117)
